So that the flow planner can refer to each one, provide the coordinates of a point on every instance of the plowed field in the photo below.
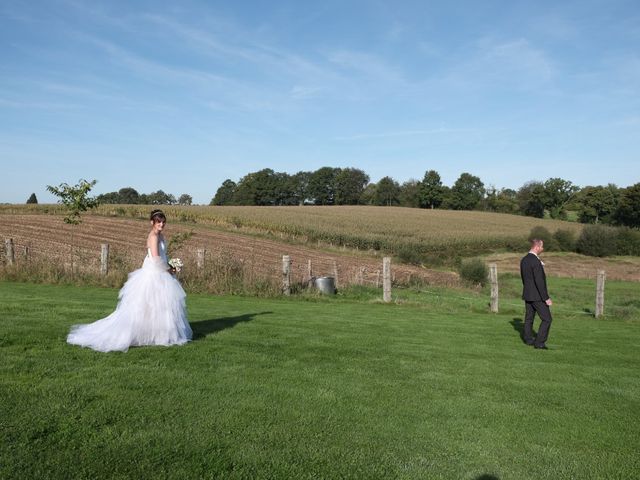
(48, 237)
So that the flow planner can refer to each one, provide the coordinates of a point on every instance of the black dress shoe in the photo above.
(541, 347)
(529, 343)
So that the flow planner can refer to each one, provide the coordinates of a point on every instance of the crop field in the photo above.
(251, 241)
(48, 238)
(386, 229)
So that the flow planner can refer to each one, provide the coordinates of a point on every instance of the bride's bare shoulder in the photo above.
(152, 239)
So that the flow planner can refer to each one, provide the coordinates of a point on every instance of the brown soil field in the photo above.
(572, 265)
(48, 238)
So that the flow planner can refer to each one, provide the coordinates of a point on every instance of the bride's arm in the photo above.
(152, 244)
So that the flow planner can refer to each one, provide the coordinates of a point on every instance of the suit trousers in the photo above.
(544, 312)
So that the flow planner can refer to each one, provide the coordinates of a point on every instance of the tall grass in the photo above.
(222, 275)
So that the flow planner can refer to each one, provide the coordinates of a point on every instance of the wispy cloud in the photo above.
(19, 104)
(406, 133)
(514, 64)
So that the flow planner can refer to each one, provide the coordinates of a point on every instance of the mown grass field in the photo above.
(431, 386)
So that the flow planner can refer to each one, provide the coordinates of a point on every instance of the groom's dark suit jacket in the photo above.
(534, 281)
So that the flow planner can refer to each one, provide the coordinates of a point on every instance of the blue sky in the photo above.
(179, 96)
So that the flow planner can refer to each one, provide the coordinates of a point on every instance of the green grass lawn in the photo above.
(345, 387)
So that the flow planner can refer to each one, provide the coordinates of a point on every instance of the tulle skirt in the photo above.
(151, 311)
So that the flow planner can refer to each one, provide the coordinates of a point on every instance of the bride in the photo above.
(151, 305)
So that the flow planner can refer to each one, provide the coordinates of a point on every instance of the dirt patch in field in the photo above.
(46, 237)
(572, 265)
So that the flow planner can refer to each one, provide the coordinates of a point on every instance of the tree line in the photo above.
(351, 186)
(555, 197)
(130, 196)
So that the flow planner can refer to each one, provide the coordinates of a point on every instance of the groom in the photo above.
(535, 296)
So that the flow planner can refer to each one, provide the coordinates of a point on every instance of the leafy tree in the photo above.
(301, 186)
(185, 199)
(368, 194)
(531, 199)
(387, 192)
(628, 211)
(224, 195)
(349, 185)
(258, 188)
(322, 188)
(597, 204)
(129, 195)
(431, 190)
(32, 199)
(466, 193)
(410, 193)
(75, 199)
(285, 189)
(108, 198)
(557, 194)
(502, 201)
(161, 198)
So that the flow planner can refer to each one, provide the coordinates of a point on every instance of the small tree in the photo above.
(431, 190)
(76, 200)
(32, 199)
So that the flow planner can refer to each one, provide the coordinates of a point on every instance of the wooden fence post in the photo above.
(386, 279)
(309, 269)
(25, 253)
(11, 258)
(286, 275)
(104, 259)
(335, 273)
(600, 293)
(200, 252)
(493, 279)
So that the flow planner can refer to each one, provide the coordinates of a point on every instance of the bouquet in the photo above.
(176, 264)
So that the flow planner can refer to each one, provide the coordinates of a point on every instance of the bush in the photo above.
(474, 271)
(628, 241)
(410, 254)
(597, 241)
(565, 240)
(543, 234)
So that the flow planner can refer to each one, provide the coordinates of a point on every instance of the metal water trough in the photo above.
(326, 285)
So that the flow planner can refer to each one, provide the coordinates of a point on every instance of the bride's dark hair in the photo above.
(157, 216)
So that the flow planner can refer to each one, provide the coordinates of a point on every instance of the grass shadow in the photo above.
(204, 328)
(518, 326)
(486, 477)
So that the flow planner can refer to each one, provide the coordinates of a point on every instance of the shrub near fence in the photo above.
(598, 241)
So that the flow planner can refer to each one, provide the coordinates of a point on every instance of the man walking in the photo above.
(535, 296)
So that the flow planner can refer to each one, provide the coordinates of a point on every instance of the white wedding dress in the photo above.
(151, 311)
